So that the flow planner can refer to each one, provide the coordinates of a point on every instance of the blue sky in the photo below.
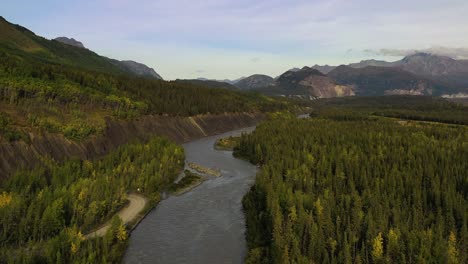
(233, 38)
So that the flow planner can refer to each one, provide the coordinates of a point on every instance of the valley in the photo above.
(102, 160)
(204, 225)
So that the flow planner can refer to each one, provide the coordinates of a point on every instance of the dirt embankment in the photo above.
(20, 154)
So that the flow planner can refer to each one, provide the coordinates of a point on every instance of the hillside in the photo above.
(208, 83)
(255, 81)
(367, 78)
(444, 70)
(23, 43)
(373, 80)
(308, 83)
(136, 68)
(44, 87)
(70, 41)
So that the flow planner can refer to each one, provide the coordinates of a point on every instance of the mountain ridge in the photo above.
(129, 66)
(22, 42)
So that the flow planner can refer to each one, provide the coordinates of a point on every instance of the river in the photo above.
(205, 225)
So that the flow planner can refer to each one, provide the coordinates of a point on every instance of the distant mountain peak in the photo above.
(310, 71)
(70, 41)
(139, 69)
(255, 81)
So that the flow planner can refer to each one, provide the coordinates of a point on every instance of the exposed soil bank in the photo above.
(20, 154)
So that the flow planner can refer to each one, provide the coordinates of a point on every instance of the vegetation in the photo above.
(45, 212)
(226, 143)
(75, 102)
(356, 190)
(7, 131)
(187, 181)
(209, 171)
(422, 108)
(64, 89)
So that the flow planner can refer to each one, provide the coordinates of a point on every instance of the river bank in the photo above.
(213, 210)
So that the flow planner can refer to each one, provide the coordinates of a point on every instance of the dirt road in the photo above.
(136, 204)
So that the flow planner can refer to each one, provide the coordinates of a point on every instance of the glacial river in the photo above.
(205, 225)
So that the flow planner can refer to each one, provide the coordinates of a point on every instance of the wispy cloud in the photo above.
(255, 59)
(456, 53)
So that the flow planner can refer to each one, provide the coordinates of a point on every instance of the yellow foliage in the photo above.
(5, 199)
(80, 236)
(73, 248)
(452, 252)
(122, 233)
(377, 247)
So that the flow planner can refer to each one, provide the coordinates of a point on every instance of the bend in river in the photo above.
(205, 225)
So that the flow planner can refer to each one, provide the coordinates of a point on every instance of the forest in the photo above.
(75, 101)
(46, 212)
(422, 108)
(356, 188)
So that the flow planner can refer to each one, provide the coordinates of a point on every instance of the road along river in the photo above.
(204, 225)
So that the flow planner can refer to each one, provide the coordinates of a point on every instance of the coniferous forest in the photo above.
(361, 180)
(45, 213)
(357, 190)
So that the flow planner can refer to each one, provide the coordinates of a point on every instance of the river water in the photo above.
(205, 225)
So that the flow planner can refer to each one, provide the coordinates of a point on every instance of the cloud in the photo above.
(456, 53)
(255, 59)
(225, 37)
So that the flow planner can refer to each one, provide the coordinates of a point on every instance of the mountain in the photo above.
(323, 68)
(294, 70)
(432, 65)
(439, 68)
(128, 66)
(373, 80)
(223, 81)
(375, 63)
(20, 41)
(307, 82)
(208, 83)
(46, 85)
(138, 69)
(70, 41)
(255, 81)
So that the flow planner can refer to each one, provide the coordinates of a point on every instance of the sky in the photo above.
(222, 39)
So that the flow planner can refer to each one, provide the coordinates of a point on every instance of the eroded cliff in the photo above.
(21, 154)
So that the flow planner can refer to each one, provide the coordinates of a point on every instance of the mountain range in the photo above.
(417, 74)
(18, 40)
